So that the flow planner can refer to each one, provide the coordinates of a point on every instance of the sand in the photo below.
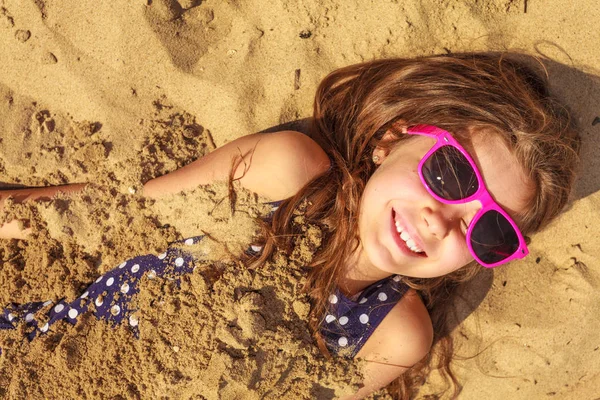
(117, 93)
(223, 332)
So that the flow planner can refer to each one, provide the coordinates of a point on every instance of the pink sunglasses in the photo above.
(451, 177)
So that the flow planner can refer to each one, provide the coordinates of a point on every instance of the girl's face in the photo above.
(395, 193)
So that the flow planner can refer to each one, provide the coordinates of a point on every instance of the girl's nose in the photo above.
(442, 219)
(436, 223)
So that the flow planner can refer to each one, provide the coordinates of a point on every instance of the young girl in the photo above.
(420, 172)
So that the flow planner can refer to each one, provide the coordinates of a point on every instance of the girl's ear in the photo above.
(383, 148)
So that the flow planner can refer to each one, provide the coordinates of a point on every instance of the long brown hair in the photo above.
(492, 94)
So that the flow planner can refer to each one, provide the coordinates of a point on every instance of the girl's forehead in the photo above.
(504, 176)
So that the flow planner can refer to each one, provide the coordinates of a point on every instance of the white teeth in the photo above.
(406, 237)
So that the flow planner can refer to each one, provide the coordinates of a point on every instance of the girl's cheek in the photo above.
(462, 255)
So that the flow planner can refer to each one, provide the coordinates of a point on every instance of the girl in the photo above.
(420, 172)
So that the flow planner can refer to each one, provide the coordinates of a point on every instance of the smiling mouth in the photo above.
(407, 246)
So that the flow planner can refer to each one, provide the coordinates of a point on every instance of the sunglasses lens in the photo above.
(493, 238)
(449, 174)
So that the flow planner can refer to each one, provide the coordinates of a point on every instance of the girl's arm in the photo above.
(11, 230)
(274, 165)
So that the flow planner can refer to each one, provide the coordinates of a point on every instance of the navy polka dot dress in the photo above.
(346, 326)
(348, 323)
(110, 294)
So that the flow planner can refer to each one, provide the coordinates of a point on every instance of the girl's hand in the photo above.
(12, 229)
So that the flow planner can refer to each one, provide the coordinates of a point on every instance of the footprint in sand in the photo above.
(577, 263)
(184, 29)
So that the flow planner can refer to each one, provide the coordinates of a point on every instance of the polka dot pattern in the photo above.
(349, 323)
(115, 310)
(364, 318)
(109, 296)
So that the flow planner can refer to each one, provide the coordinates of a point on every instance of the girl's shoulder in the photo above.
(408, 326)
(411, 318)
(402, 339)
(284, 162)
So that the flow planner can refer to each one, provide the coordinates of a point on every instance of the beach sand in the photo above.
(117, 93)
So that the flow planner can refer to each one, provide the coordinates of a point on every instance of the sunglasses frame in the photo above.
(444, 138)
